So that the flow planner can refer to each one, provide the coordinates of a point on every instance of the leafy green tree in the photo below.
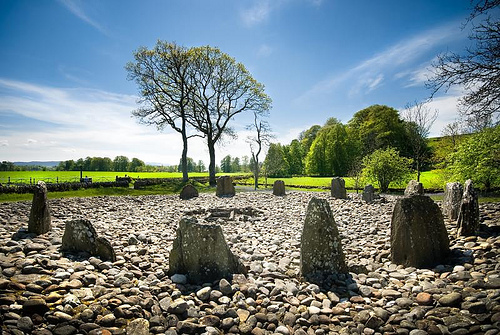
(225, 164)
(275, 163)
(235, 165)
(332, 151)
(295, 155)
(379, 127)
(136, 165)
(478, 158)
(120, 164)
(307, 137)
(201, 166)
(245, 164)
(385, 166)
(223, 89)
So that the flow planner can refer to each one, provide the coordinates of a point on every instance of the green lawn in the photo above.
(97, 176)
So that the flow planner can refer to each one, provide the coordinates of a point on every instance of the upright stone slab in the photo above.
(201, 252)
(452, 200)
(369, 193)
(468, 218)
(279, 188)
(188, 192)
(418, 234)
(225, 187)
(40, 221)
(320, 247)
(414, 187)
(80, 235)
(338, 188)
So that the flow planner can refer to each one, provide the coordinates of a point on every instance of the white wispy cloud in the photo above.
(369, 74)
(75, 7)
(264, 51)
(257, 13)
(79, 122)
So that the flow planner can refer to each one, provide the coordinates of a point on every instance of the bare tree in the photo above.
(477, 70)
(419, 119)
(452, 131)
(163, 77)
(258, 141)
(223, 88)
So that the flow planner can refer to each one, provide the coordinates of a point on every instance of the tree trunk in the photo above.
(256, 173)
(418, 170)
(184, 167)
(211, 166)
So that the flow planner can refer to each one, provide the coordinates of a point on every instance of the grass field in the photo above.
(434, 179)
(97, 176)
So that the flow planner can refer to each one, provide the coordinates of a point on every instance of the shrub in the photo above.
(385, 166)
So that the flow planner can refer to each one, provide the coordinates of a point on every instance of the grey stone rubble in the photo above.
(452, 200)
(43, 291)
(225, 187)
(414, 187)
(468, 217)
(338, 188)
(279, 188)
(40, 220)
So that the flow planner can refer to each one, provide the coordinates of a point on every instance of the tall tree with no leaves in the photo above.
(419, 119)
(223, 89)
(477, 70)
(261, 139)
(163, 77)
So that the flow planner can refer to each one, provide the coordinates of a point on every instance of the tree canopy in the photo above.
(478, 158)
(385, 166)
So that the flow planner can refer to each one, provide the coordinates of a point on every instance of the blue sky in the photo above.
(64, 92)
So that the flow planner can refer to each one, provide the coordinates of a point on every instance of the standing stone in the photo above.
(279, 187)
(320, 248)
(468, 218)
(188, 192)
(418, 234)
(39, 221)
(452, 200)
(414, 187)
(369, 193)
(201, 252)
(80, 235)
(225, 187)
(338, 188)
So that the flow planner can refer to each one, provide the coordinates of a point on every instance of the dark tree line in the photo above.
(119, 164)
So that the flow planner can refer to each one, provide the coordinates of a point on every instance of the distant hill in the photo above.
(39, 163)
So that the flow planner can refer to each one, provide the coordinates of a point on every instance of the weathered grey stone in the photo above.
(468, 218)
(80, 235)
(225, 187)
(369, 193)
(414, 187)
(338, 188)
(279, 188)
(138, 327)
(418, 234)
(321, 248)
(188, 192)
(452, 200)
(201, 252)
(39, 221)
